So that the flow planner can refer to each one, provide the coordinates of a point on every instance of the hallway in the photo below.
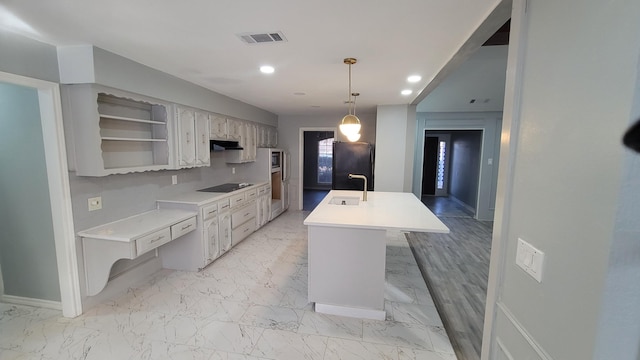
(456, 267)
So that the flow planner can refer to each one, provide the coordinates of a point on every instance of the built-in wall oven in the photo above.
(276, 160)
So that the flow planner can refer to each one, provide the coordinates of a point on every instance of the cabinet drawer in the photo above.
(242, 232)
(224, 205)
(209, 211)
(152, 241)
(183, 227)
(243, 215)
(251, 194)
(237, 200)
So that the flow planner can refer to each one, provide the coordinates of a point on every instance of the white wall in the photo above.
(289, 139)
(579, 73)
(395, 140)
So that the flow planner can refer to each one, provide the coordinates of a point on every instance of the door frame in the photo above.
(59, 189)
(450, 127)
(302, 130)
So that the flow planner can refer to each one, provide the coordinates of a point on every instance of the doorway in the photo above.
(452, 166)
(317, 163)
(42, 236)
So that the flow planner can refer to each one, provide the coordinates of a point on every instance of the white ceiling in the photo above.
(197, 40)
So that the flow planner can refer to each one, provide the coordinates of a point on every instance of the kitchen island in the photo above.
(347, 248)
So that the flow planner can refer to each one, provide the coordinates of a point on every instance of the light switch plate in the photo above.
(530, 259)
(95, 203)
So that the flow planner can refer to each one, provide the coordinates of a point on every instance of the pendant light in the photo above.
(354, 136)
(350, 125)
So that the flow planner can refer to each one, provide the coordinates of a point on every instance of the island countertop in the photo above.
(382, 210)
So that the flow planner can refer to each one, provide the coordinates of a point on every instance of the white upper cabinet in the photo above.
(186, 119)
(109, 131)
(267, 136)
(247, 141)
(193, 137)
(203, 153)
(218, 127)
(234, 129)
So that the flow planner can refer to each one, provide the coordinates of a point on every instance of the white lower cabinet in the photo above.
(243, 222)
(224, 232)
(263, 205)
(222, 223)
(212, 240)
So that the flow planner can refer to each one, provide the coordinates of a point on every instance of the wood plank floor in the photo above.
(456, 267)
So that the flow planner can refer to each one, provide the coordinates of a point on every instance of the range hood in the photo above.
(221, 145)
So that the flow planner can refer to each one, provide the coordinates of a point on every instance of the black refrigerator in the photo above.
(352, 158)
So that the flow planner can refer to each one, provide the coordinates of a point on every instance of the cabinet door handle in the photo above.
(247, 229)
(203, 138)
(157, 239)
(188, 137)
(211, 212)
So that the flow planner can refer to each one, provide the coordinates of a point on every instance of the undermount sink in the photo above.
(344, 200)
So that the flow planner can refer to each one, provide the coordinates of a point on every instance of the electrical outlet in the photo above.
(95, 203)
(233, 170)
(174, 179)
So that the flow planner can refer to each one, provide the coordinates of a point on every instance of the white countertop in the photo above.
(200, 198)
(131, 228)
(382, 210)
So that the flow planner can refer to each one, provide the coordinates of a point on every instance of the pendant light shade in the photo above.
(350, 125)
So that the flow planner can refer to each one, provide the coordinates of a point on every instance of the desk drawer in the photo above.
(183, 227)
(152, 241)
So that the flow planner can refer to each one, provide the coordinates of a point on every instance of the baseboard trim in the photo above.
(525, 334)
(19, 300)
(463, 204)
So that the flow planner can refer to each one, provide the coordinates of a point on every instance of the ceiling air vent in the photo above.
(261, 38)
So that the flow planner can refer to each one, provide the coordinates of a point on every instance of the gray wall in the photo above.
(26, 57)
(466, 147)
(289, 139)
(27, 248)
(125, 74)
(395, 147)
(570, 184)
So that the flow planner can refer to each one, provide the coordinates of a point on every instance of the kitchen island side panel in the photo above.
(347, 267)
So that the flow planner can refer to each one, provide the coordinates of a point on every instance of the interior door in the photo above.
(435, 171)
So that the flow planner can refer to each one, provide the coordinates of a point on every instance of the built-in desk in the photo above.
(129, 238)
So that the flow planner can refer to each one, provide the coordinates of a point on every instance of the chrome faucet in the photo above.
(354, 176)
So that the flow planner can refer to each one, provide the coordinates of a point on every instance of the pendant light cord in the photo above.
(350, 90)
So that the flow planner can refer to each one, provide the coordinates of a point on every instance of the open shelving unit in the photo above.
(116, 132)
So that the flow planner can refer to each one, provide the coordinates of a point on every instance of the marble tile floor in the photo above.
(250, 304)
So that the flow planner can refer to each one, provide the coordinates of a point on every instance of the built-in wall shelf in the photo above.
(116, 132)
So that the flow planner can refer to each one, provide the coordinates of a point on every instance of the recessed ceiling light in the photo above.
(406, 92)
(266, 69)
(299, 93)
(414, 78)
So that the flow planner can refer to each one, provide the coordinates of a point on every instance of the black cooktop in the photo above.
(225, 188)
